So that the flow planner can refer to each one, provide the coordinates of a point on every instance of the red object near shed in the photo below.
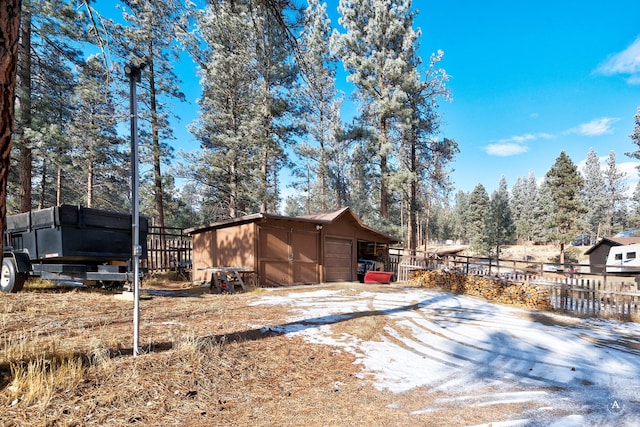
(378, 277)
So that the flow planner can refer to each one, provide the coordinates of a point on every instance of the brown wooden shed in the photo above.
(286, 250)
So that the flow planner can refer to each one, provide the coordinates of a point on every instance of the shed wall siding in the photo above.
(225, 247)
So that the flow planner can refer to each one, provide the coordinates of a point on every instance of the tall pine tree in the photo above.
(100, 163)
(565, 184)
(320, 111)
(595, 199)
(229, 124)
(478, 209)
(499, 229)
(151, 37)
(615, 189)
(377, 50)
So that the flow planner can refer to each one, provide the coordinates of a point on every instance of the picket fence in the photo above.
(572, 292)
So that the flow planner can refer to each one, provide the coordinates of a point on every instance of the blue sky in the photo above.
(528, 80)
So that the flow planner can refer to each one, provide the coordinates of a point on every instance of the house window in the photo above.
(631, 255)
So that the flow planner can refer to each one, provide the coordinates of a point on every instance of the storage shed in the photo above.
(285, 250)
(598, 253)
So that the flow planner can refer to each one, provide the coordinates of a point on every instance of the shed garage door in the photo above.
(338, 263)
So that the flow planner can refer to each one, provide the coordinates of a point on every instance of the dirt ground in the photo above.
(543, 253)
(66, 359)
(206, 359)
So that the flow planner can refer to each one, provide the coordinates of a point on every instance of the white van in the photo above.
(624, 259)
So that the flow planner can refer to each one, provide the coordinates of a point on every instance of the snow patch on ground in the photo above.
(589, 368)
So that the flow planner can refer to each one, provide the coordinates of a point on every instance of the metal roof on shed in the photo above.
(321, 218)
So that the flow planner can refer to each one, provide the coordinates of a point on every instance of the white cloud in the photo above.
(626, 62)
(595, 127)
(545, 136)
(505, 150)
(516, 138)
(521, 139)
(514, 144)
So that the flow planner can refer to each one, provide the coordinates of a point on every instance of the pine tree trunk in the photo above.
(90, 185)
(263, 179)
(413, 205)
(59, 178)
(233, 189)
(9, 35)
(266, 123)
(43, 190)
(157, 154)
(59, 181)
(323, 164)
(384, 198)
(24, 75)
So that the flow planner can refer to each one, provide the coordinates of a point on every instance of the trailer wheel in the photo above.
(10, 279)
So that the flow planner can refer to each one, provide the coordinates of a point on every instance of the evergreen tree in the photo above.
(51, 31)
(376, 50)
(635, 137)
(277, 72)
(477, 211)
(429, 177)
(498, 226)
(634, 214)
(100, 161)
(523, 202)
(319, 112)
(565, 184)
(229, 124)
(423, 158)
(362, 179)
(594, 196)
(615, 188)
(542, 212)
(460, 217)
(150, 37)
(49, 133)
(517, 198)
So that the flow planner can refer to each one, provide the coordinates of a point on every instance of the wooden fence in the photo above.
(591, 297)
(168, 249)
(573, 290)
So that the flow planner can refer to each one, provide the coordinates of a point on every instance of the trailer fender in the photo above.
(21, 260)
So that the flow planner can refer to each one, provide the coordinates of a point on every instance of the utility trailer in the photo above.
(70, 243)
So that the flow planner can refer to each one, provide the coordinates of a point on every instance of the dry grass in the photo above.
(65, 359)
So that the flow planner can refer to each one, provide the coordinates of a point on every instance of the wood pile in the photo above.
(491, 288)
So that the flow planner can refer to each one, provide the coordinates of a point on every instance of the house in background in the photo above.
(598, 253)
(286, 250)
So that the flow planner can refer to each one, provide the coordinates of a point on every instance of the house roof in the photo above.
(613, 241)
(320, 218)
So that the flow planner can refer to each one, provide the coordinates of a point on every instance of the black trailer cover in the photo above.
(72, 233)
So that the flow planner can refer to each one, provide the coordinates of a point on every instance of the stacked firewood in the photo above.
(491, 288)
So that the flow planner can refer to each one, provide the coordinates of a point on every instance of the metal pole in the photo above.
(134, 76)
